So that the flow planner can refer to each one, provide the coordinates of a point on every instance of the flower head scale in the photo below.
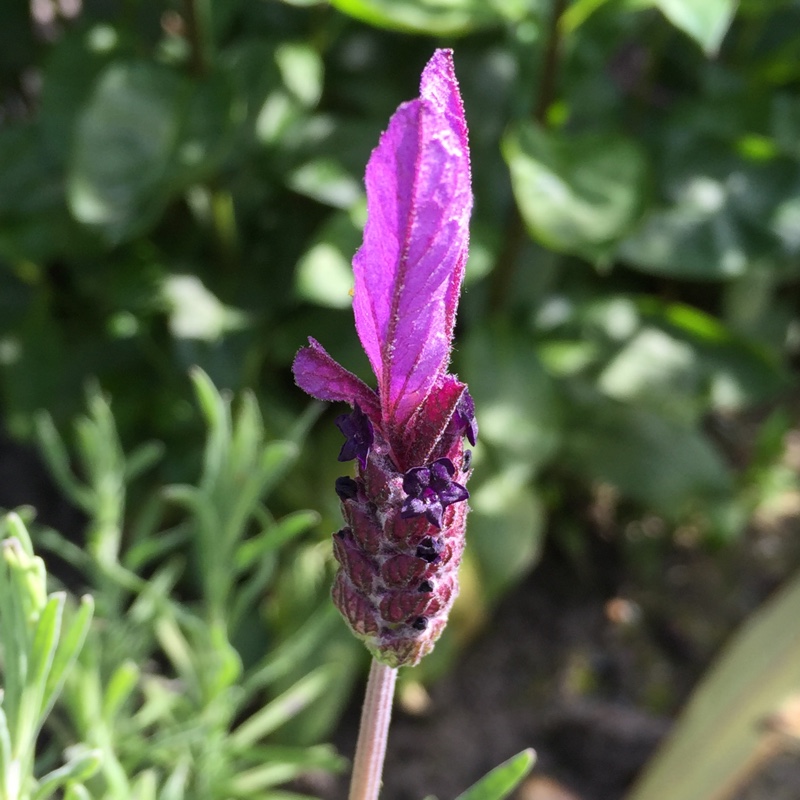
(405, 509)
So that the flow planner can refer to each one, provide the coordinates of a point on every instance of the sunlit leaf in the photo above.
(324, 275)
(126, 139)
(706, 21)
(437, 17)
(502, 780)
(577, 194)
(723, 217)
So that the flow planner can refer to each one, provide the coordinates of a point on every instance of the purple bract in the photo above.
(405, 509)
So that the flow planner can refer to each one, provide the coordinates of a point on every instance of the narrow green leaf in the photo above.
(502, 780)
(145, 786)
(76, 791)
(725, 724)
(13, 633)
(73, 554)
(317, 757)
(69, 647)
(292, 651)
(248, 432)
(282, 708)
(211, 403)
(16, 530)
(178, 650)
(142, 458)
(45, 642)
(79, 768)
(122, 682)
(28, 587)
(262, 777)
(155, 548)
(198, 501)
(275, 537)
(175, 786)
(5, 741)
(273, 462)
(218, 419)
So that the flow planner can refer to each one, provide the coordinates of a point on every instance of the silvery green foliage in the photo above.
(161, 704)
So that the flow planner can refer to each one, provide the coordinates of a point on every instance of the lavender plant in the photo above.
(406, 507)
(162, 703)
(41, 636)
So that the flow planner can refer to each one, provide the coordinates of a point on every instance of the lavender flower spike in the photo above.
(406, 507)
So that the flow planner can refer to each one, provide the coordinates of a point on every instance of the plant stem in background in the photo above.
(198, 32)
(503, 273)
(373, 732)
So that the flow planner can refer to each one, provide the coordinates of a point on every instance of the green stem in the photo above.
(373, 732)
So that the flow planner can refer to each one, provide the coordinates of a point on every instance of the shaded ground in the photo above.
(588, 661)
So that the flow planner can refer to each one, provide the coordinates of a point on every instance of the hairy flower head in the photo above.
(406, 507)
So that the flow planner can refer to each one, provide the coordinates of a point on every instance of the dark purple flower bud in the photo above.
(428, 549)
(465, 417)
(430, 490)
(359, 435)
(420, 623)
(425, 587)
(346, 488)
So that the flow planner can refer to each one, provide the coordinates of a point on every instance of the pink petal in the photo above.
(409, 269)
(317, 374)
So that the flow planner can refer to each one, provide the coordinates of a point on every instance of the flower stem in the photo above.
(373, 732)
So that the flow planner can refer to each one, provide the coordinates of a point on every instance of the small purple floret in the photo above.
(346, 488)
(430, 490)
(359, 435)
(465, 417)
